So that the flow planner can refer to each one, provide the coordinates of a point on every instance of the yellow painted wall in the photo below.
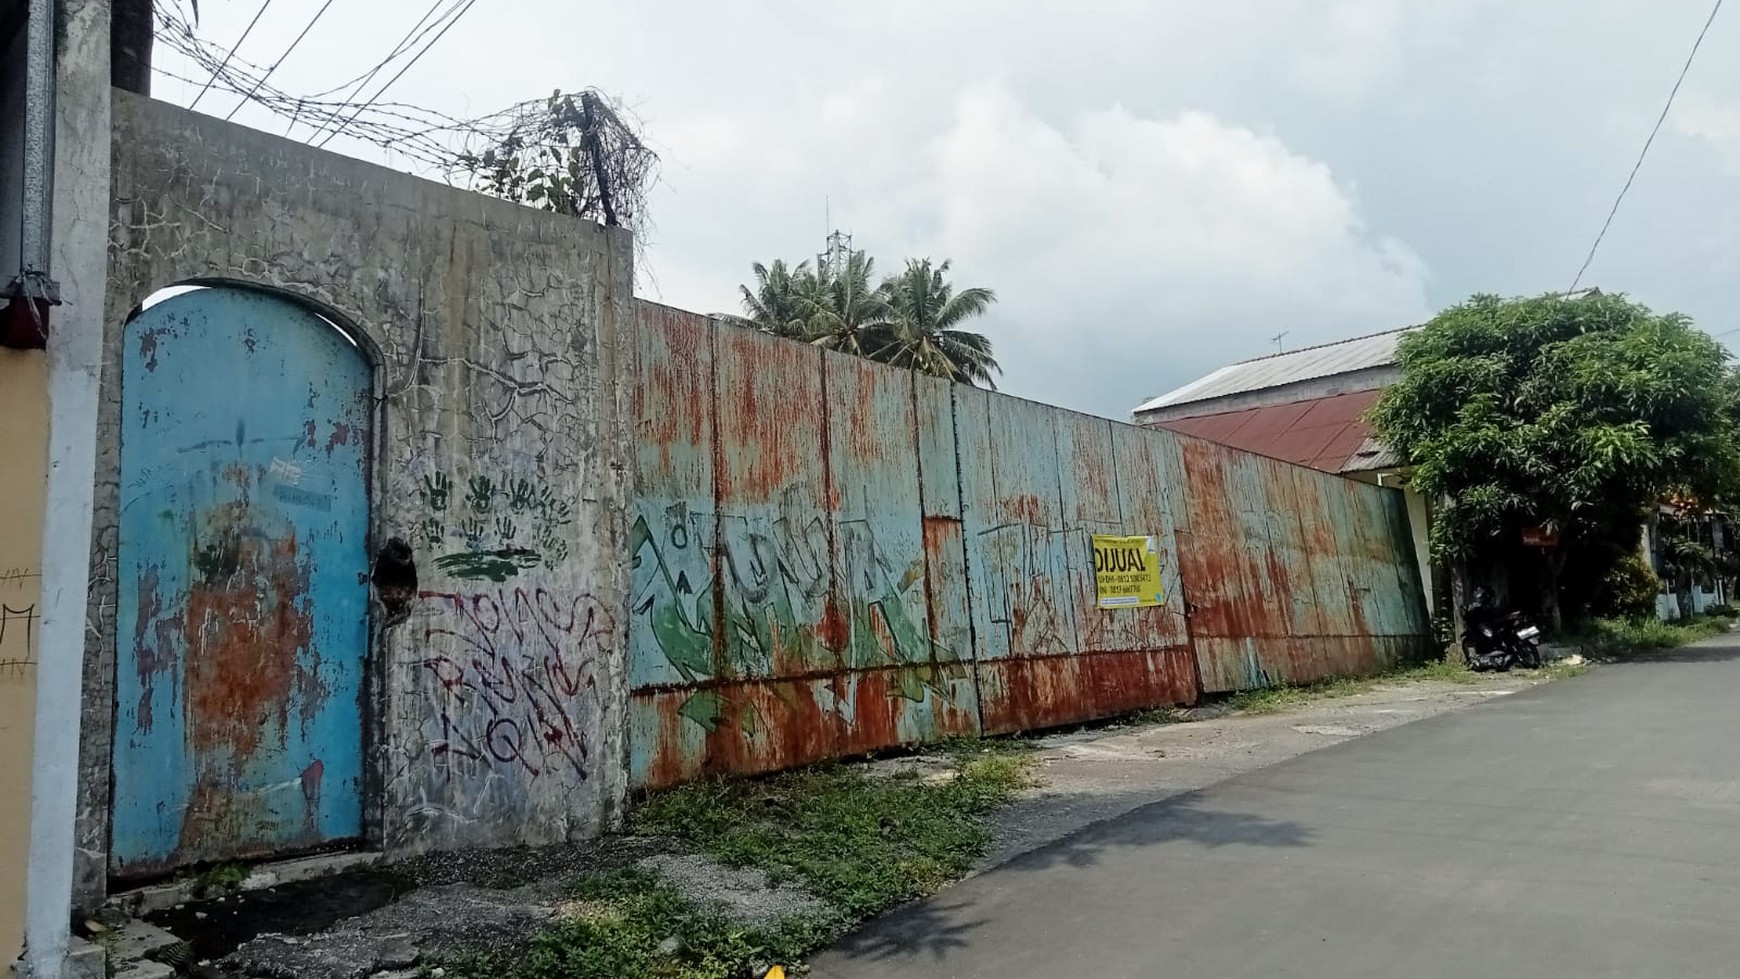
(23, 476)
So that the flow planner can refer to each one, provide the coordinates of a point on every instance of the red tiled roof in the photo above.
(1323, 433)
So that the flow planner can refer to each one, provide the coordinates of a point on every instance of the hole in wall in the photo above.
(395, 578)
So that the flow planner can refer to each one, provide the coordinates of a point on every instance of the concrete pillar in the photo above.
(80, 264)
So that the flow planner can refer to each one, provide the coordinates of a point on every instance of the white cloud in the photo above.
(1131, 254)
(1153, 188)
(1356, 44)
(1715, 122)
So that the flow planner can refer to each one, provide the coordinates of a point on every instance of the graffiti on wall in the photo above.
(787, 606)
(19, 622)
(1027, 572)
(504, 526)
(520, 679)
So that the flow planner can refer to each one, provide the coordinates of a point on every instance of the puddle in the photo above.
(215, 927)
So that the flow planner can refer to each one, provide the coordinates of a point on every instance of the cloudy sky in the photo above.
(1154, 188)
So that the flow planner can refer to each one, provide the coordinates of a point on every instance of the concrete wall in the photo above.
(23, 477)
(497, 332)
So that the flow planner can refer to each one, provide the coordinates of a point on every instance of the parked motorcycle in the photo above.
(1497, 641)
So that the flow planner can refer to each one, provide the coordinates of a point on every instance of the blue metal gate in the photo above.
(242, 627)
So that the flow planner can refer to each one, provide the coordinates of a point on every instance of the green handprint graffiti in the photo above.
(435, 491)
(498, 514)
(481, 494)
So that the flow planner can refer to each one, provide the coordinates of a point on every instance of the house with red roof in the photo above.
(1307, 407)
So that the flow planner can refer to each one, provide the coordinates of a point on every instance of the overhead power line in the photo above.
(233, 48)
(274, 66)
(1646, 145)
(404, 44)
(414, 59)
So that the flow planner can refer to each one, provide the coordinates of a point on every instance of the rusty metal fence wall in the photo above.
(798, 591)
(1293, 575)
(831, 556)
(1036, 483)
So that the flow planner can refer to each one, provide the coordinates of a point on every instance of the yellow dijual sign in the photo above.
(1127, 572)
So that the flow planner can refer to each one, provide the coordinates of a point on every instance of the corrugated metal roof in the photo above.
(1323, 433)
(1372, 455)
(1326, 360)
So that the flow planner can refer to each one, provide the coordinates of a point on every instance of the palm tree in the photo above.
(783, 300)
(849, 315)
(924, 316)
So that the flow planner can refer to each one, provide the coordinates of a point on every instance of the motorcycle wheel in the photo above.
(1532, 657)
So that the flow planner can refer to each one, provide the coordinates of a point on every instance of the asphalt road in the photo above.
(1586, 828)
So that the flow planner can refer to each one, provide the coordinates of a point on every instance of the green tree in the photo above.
(783, 300)
(1579, 415)
(851, 315)
(925, 316)
(910, 320)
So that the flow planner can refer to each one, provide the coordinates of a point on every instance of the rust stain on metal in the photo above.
(1026, 508)
(875, 718)
(942, 544)
(765, 418)
(340, 436)
(246, 625)
(310, 782)
(678, 380)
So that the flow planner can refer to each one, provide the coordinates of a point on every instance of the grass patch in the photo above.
(1288, 696)
(860, 842)
(1445, 670)
(1160, 715)
(632, 923)
(1616, 636)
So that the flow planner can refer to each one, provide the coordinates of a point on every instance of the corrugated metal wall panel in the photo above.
(674, 648)
(1298, 576)
(897, 690)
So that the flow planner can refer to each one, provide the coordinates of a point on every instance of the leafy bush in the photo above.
(1629, 590)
